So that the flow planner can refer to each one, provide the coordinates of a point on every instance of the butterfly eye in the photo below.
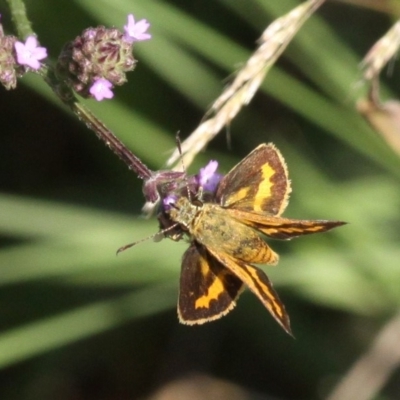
(197, 203)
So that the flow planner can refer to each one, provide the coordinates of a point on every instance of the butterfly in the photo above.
(226, 238)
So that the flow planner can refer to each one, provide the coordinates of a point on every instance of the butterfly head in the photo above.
(183, 211)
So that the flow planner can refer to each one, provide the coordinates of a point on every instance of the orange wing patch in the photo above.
(264, 188)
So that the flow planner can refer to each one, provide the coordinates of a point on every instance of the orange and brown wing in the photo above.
(208, 289)
(283, 228)
(257, 183)
(258, 282)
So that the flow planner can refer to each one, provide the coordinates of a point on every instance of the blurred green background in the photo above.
(77, 322)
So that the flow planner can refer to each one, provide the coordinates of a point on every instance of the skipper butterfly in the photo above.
(225, 236)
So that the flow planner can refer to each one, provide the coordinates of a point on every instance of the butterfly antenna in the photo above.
(128, 246)
(178, 145)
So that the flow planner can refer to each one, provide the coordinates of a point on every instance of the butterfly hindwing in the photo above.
(258, 183)
(258, 282)
(208, 290)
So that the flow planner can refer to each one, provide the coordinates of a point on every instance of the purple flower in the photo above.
(168, 201)
(208, 178)
(136, 32)
(101, 89)
(29, 53)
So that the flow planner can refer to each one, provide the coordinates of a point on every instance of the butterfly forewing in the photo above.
(283, 228)
(258, 183)
(208, 289)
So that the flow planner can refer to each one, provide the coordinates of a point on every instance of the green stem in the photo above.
(20, 18)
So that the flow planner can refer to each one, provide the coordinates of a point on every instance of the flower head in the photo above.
(208, 177)
(29, 53)
(101, 89)
(136, 31)
(98, 53)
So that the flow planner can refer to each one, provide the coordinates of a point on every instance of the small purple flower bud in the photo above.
(168, 201)
(208, 178)
(136, 31)
(29, 53)
(101, 89)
